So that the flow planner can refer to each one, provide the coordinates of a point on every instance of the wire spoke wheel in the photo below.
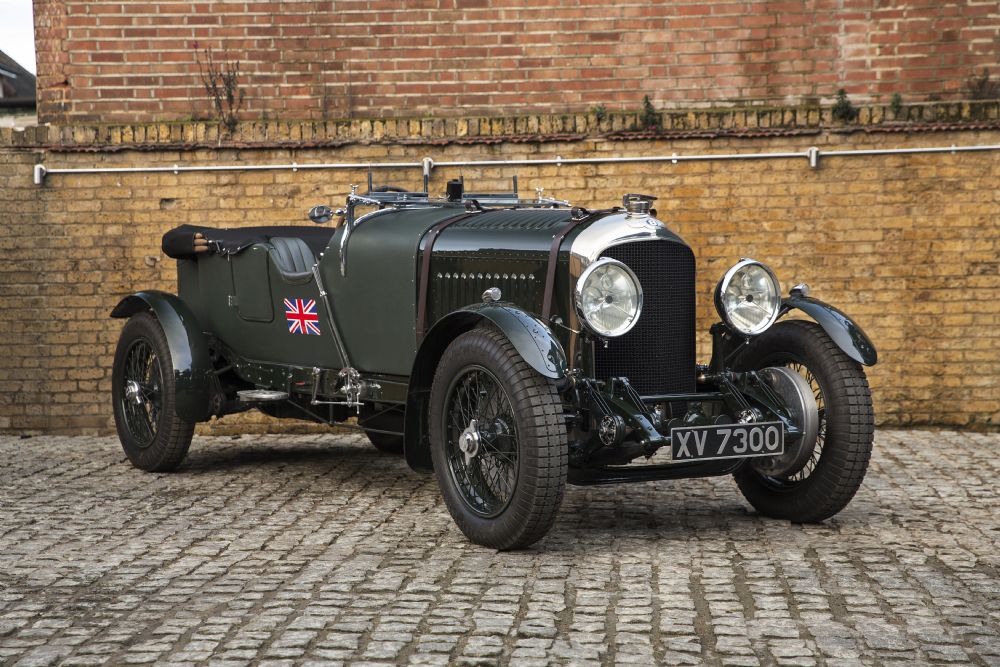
(498, 441)
(836, 466)
(144, 397)
(141, 402)
(486, 476)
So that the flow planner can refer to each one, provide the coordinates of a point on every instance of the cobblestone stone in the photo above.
(284, 550)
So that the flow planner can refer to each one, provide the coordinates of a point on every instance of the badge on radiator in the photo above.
(302, 317)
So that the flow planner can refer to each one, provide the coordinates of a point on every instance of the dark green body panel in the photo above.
(507, 231)
(188, 348)
(253, 281)
(240, 298)
(848, 336)
(505, 249)
(376, 302)
(252, 284)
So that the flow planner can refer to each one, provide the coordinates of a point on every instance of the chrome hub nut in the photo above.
(468, 441)
(133, 392)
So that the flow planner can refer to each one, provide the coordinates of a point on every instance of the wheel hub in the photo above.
(802, 408)
(133, 392)
(468, 441)
(611, 430)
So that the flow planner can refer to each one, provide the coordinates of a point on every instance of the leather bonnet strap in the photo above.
(550, 272)
(424, 285)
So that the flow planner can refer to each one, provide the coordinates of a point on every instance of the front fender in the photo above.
(848, 336)
(533, 341)
(188, 349)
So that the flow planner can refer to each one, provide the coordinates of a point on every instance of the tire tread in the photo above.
(542, 482)
(846, 456)
(173, 436)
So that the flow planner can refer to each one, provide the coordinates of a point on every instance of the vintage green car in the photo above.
(510, 346)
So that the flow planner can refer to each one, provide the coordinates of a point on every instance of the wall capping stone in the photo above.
(747, 122)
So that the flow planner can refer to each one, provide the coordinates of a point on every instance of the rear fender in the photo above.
(188, 349)
(533, 341)
(848, 336)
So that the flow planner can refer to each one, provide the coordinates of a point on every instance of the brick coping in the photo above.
(743, 122)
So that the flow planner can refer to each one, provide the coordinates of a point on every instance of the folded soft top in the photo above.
(178, 243)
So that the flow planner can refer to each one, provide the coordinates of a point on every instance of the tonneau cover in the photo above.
(178, 243)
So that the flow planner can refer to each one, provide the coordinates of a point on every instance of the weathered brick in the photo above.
(907, 244)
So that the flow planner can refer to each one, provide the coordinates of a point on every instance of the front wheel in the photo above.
(143, 396)
(498, 441)
(832, 474)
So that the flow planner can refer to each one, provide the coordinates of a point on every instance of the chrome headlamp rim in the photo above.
(578, 296)
(723, 285)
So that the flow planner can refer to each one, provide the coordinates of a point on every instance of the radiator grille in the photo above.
(658, 354)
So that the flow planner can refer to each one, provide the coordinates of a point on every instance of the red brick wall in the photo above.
(135, 61)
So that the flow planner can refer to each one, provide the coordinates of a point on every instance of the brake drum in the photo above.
(798, 397)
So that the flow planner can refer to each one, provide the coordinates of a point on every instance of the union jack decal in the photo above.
(302, 317)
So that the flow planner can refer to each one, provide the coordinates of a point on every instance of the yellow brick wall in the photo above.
(909, 245)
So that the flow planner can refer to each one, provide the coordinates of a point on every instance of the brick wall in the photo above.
(134, 62)
(908, 244)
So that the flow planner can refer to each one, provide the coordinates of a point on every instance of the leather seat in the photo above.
(292, 256)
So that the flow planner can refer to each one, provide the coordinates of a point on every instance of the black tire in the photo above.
(839, 462)
(520, 474)
(384, 419)
(386, 443)
(153, 436)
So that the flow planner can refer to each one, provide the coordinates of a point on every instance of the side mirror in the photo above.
(321, 214)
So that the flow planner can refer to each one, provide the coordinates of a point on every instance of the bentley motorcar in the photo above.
(510, 346)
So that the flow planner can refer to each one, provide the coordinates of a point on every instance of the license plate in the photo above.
(727, 441)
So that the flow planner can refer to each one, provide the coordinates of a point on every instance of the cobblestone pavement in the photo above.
(291, 549)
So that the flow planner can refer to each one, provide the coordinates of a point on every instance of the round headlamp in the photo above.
(748, 297)
(608, 297)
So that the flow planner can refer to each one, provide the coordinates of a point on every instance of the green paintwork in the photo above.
(504, 249)
(254, 282)
(848, 336)
(240, 298)
(376, 302)
(188, 348)
(507, 249)
(503, 231)
(230, 312)
(253, 285)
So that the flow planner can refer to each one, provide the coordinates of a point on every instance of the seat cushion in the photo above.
(292, 256)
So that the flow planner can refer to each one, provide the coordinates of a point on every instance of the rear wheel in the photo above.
(498, 441)
(143, 395)
(386, 442)
(829, 478)
(383, 419)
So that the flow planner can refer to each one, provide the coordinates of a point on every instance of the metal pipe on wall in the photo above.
(426, 165)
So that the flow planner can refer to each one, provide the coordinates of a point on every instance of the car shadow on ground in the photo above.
(591, 518)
